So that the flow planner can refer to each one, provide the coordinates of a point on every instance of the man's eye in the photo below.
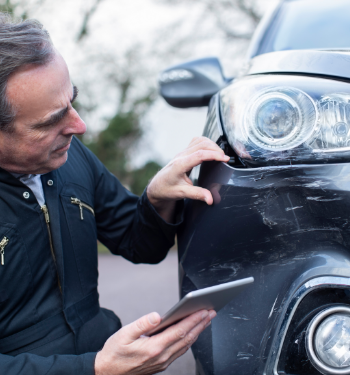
(46, 126)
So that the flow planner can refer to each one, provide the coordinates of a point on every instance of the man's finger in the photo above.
(176, 355)
(190, 161)
(179, 331)
(192, 192)
(202, 143)
(191, 336)
(140, 327)
(201, 139)
(195, 141)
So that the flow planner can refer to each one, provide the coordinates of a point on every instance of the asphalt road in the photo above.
(132, 291)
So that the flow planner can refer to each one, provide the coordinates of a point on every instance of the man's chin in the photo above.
(57, 162)
(54, 162)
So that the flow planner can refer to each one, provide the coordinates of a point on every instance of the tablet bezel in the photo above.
(211, 298)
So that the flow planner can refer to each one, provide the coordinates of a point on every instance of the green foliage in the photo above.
(140, 177)
(9, 6)
(102, 249)
(20, 8)
(117, 143)
(114, 146)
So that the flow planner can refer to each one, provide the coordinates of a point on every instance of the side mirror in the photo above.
(192, 84)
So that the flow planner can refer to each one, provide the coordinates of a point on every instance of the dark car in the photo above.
(281, 209)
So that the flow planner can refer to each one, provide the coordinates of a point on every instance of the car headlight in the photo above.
(280, 118)
(328, 341)
(284, 119)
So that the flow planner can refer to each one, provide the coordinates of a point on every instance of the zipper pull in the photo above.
(78, 202)
(3, 244)
(46, 213)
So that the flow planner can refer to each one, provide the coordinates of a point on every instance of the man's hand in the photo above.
(129, 352)
(172, 182)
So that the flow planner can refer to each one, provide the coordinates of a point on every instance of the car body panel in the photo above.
(288, 226)
(281, 225)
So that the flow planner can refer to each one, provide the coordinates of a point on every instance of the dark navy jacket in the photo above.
(50, 318)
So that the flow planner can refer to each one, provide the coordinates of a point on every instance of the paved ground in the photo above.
(135, 290)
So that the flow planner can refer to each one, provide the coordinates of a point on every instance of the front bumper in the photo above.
(284, 226)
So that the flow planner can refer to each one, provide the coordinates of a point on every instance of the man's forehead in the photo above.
(37, 88)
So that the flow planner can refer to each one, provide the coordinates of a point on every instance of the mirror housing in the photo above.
(192, 84)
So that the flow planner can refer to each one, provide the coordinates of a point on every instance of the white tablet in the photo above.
(212, 298)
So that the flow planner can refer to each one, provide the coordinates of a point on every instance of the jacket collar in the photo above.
(9, 179)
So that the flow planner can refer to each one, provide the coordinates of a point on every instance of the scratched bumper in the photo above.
(281, 225)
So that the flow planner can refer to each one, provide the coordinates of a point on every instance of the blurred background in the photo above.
(115, 51)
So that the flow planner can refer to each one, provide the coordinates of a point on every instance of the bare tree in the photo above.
(20, 8)
(221, 27)
(118, 85)
(117, 80)
(230, 15)
(86, 20)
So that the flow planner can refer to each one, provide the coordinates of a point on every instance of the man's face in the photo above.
(45, 119)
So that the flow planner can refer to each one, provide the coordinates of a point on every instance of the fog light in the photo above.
(328, 340)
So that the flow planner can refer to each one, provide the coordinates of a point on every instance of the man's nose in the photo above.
(74, 124)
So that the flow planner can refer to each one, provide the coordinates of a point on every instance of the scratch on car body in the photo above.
(293, 208)
(322, 199)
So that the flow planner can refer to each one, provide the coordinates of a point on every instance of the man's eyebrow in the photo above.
(75, 93)
(58, 116)
(54, 119)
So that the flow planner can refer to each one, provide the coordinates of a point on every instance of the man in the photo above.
(57, 199)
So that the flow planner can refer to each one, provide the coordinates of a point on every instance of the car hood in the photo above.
(334, 63)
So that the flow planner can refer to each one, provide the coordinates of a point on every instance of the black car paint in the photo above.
(206, 79)
(288, 226)
(332, 64)
(282, 225)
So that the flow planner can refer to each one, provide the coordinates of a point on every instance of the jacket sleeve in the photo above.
(24, 364)
(126, 224)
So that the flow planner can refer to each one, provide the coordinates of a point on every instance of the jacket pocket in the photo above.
(78, 205)
(82, 205)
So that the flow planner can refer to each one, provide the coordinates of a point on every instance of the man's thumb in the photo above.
(143, 325)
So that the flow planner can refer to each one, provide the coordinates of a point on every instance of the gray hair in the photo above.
(21, 43)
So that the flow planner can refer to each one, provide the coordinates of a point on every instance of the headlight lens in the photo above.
(283, 119)
(280, 119)
(334, 120)
(328, 340)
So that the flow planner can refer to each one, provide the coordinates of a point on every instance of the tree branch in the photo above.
(220, 8)
(249, 10)
(84, 30)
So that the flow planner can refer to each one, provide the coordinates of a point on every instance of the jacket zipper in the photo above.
(47, 220)
(3, 244)
(81, 205)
